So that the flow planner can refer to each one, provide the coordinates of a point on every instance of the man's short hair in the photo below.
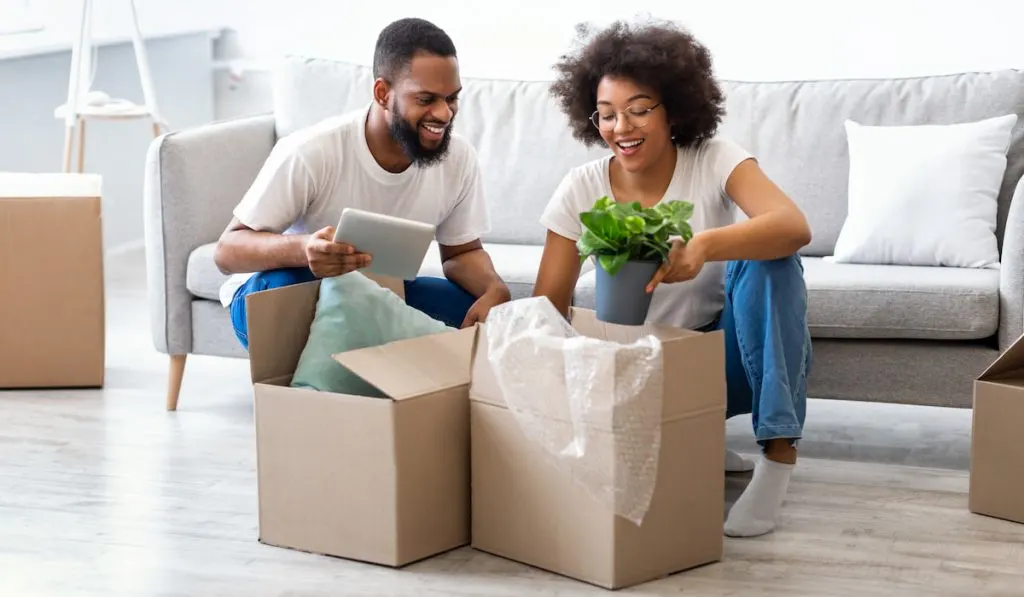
(403, 39)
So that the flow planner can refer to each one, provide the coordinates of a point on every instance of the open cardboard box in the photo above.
(996, 486)
(527, 509)
(377, 480)
(389, 480)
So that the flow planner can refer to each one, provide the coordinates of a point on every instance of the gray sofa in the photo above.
(881, 333)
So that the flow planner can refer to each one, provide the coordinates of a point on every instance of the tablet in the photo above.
(398, 246)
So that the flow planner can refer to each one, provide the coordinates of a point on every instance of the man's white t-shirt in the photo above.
(699, 177)
(314, 173)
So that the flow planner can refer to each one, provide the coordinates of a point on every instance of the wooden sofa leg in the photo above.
(177, 371)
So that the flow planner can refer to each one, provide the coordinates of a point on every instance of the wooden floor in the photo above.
(102, 492)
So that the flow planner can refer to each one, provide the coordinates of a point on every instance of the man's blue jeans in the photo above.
(767, 345)
(437, 297)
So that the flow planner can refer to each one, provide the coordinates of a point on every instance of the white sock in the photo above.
(754, 513)
(736, 463)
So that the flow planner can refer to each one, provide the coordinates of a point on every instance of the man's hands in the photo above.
(328, 258)
(684, 263)
(469, 266)
(491, 298)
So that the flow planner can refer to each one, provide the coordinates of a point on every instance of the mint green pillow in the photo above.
(355, 312)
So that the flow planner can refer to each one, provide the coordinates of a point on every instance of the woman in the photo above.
(648, 93)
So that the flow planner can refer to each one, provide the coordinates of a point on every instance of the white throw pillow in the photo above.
(924, 195)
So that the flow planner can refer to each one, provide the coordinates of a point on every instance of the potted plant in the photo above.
(629, 243)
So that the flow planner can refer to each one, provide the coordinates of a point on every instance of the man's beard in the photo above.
(408, 138)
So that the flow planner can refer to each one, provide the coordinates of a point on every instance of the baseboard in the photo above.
(126, 247)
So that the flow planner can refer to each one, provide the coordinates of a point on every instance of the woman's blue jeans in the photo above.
(767, 345)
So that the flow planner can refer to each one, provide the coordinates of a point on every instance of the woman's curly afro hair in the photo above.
(658, 55)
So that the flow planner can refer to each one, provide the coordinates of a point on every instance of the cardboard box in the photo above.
(527, 509)
(52, 324)
(996, 486)
(377, 480)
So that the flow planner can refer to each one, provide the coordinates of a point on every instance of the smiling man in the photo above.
(398, 157)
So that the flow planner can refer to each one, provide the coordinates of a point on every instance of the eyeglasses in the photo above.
(636, 116)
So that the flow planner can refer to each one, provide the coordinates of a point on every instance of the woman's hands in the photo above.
(685, 260)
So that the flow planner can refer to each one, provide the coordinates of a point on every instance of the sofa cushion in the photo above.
(885, 301)
(880, 301)
(202, 278)
(924, 195)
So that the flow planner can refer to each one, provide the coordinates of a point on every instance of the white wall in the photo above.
(112, 18)
(780, 39)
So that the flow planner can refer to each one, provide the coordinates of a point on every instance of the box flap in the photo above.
(20, 185)
(585, 321)
(1010, 361)
(278, 322)
(417, 366)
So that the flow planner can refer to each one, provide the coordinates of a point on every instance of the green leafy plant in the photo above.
(615, 233)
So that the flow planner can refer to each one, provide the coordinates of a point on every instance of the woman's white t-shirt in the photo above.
(699, 177)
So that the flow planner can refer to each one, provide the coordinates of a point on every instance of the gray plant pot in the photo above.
(623, 299)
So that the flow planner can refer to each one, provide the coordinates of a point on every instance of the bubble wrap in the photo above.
(593, 405)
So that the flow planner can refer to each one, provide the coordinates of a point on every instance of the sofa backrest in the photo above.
(796, 131)
(794, 128)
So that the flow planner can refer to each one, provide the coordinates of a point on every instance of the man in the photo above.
(396, 157)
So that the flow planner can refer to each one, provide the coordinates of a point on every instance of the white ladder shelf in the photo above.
(81, 106)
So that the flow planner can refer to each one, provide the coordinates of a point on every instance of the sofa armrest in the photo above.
(1011, 275)
(194, 178)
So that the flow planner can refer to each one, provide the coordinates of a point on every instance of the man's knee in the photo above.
(278, 278)
(440, 298)
(260, 281)
(437, 289)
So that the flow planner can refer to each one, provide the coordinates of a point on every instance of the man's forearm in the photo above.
(243, 251)
(474, 271)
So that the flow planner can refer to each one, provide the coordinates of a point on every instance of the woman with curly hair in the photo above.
(647, 92)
